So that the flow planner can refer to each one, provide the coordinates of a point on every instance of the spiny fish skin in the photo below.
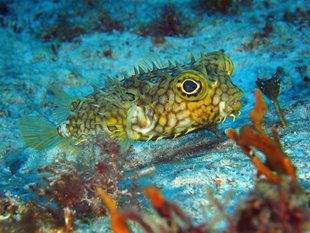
(152, 104)
(158, 103)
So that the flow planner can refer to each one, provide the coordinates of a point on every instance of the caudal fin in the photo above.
(38, 133)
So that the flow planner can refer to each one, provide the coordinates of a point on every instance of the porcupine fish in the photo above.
(149, 105)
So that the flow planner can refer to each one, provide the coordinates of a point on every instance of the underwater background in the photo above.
(78, 44)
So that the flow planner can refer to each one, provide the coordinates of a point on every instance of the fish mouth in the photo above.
(235, 106)
(231, 107)
(234, 103)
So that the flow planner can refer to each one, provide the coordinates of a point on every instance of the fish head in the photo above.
(186, 100)
(208, 98)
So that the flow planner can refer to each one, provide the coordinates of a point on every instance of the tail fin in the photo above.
(38, 133)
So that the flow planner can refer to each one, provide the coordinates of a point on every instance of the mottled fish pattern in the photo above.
(154, 103)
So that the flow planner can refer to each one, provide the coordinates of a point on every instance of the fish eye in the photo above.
(190, 85)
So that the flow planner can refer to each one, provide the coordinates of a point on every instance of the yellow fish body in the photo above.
(150, 105)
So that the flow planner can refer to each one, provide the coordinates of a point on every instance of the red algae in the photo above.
(254, 137)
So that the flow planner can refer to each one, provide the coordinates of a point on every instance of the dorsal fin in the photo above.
(170, 64)
(95, 88)
(154, 66)
(136, 71)
(141, 71)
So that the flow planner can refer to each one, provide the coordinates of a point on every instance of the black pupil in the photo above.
(189, 86)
